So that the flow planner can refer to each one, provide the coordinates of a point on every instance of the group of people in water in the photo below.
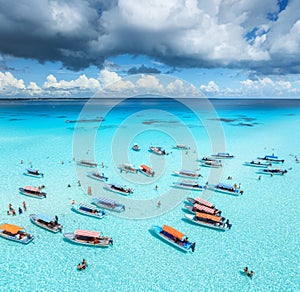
(248, 273)
(82, 266)
(11, 210)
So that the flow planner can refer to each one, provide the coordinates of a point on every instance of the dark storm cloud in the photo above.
(143, 70)
(80, 33)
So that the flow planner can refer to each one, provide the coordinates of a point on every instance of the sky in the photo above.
(222, 48)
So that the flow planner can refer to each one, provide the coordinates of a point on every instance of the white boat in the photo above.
(45, 222)
(127, 168)
(210, 221)
(33, 173)
(222, 155)
(87, 163)
(157, 150)
(187, 174)
(226, 188)
(146, 170)
(120, 189)
(211, 164)
(87, 237)
(201, 202)
(194, 186)
(181, 147)
(15, 233)
(136, 147)
(97, 176)
(273, 171)
(108, 204)
(32, 192)
(271, 158)
(89, 210)
(174, 237)
(257, 163)
(201, 208)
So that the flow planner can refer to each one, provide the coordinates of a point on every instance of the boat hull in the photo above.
(213, 188)
(204, 224)
(187, 187)
(13, 238)
(71, 238)
(34, 175)
(109, 188)
(177, 173)
(104, 178)
(39, 196)
(77, 209)
(118, 207)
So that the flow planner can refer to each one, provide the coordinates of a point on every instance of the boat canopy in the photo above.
(87, 233)
(187, 171)
(204, 209)
(271, 156)
(87, 206)
(13, 229)
(43, 217)
(117, 186)
(204, 202)
(208, 216)
(32, 170)
(225, 186)
(147, 168)
(31, 189)
(173, 232)
(106, 201)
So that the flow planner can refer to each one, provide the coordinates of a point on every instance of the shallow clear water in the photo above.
(265, 232)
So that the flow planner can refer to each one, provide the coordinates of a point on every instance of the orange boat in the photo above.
(174, 237)
(15, 233)
(146, 170)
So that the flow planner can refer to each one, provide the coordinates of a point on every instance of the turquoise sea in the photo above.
(265, 232)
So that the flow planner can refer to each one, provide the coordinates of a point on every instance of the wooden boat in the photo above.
(201, 202)
(194, 186)
(146, 170)
(273, 171)
(15, 233)
(120, 189)
(210, 221)
(87, 237)
(87, 163)
(45, 222)
(226, 188)
(201, 208)
(222, 155)
(108, 204)
(181, 147)
(97, 176)
(271, 158)
(32, 192)
(127, 168)
(33, 173)
(158, 150)
(257, 163)
(187, 174)
(174, 237)
(136, 147)
(89, 210)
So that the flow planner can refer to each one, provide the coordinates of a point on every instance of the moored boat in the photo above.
(87, 237)
(157, 150)
(271, 158)
(89, 210)
(146, 170)
(187, 174)
(33, 173)
(15, 233)
(194, 186)
(212, 164)
(257, 163)
(226, 188)
(87, 163)
(136, 147)
(223, 155)
(32, 192)
(120, 189)
(181, 147)
(127, 168)
(210, 221)
(201, 202)
(46, 222)
(201, 208)
(97, 176)
(108, 204)
(273, 171)
(174, 237)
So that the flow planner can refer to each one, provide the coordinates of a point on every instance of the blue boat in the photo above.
(33, 172)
